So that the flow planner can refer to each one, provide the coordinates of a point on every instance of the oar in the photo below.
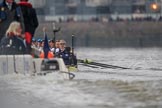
(91, 66)
(108, 66)
(72, 48)
(101, 64)
(71, 75)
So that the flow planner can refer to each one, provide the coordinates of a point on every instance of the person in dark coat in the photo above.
(12, 43)
(30, 20)
(66, 55)
(9, 12)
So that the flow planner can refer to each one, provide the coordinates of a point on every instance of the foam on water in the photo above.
(139, 87)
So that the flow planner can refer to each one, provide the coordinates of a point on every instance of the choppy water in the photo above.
(139, 87)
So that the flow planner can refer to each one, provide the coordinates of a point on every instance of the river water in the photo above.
(138, 87)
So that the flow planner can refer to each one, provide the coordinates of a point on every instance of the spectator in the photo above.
(9, 12)
(12, 43)
(30, 21)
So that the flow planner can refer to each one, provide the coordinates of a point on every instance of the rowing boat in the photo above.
(70, 68)
(27, 65)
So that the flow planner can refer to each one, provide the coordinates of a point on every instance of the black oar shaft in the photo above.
(91, 66)
(102, 65)
(106, 65)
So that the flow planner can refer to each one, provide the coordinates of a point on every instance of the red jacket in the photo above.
(30, 17)
(30, 20)
(27, 4)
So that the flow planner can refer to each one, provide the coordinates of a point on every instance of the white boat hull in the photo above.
(25, 64)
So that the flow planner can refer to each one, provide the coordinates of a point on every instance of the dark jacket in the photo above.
(7, 16)
(65, 55)
(12, 46)
(68, 57)
(29, 17)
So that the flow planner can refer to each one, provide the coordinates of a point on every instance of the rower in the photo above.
(63, 52)
(66, 55)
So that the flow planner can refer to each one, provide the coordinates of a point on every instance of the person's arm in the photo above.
(0, 13)
(2, 41)
(0, 16)
(24, 49)
(20, 18)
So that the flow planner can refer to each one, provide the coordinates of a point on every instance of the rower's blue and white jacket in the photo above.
(65, 55)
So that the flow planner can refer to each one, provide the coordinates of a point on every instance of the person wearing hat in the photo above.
(40, 45)
(34, 43)
(30, 21)
(9, 12)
